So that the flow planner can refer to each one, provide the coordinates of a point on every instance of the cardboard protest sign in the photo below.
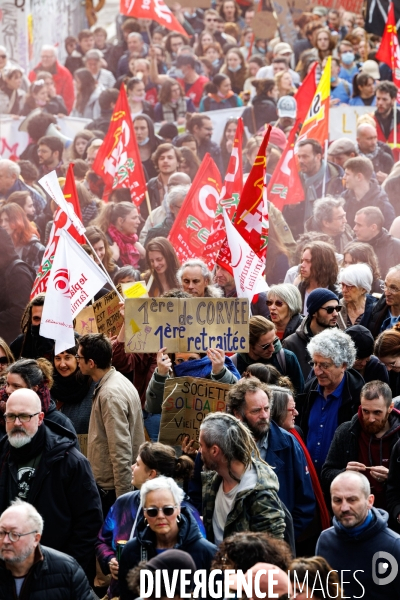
(186, 324)
(187, 401)
(264, 25)
(287, 29)
(85, 321)
(134, 290)
(108, 318)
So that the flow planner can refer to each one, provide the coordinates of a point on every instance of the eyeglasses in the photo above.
(14, 537)
(277, 303)
(345, 285)
(391, 288)
(332, 309)
(265, 346)
(323, 366)
(79, 357)
(10, 418)
(152, 512)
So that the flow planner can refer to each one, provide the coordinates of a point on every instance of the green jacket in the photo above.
(256, 509)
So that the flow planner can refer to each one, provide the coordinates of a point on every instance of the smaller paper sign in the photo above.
(134, 290)
(187, 401)
(108, 318)
(85, 321)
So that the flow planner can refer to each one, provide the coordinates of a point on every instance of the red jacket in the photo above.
(389, 140)
(63, 82)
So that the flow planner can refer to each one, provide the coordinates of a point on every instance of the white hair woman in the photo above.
(284, 304)
(357, 302)
(166, 524)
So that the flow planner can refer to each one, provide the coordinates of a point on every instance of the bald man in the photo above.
(379, 152)
(40, 464)
(359, 541)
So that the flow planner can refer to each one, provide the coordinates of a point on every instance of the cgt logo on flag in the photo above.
(61, 282)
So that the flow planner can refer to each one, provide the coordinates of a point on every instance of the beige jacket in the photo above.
(116, 431)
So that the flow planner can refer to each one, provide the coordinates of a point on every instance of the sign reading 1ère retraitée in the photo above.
(186, 324)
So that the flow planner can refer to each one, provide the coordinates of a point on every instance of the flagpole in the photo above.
(146, 194)
(395, 123)
(110, 281)
(326, 167)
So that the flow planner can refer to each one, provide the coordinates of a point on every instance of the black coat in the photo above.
(393, 485)
(297, 343)
(379, 313)
(262, 111)
(63, 491)
(345, 448)
(375, 196)
(387, 250)
(56, 577)
(16, 280)
(190, 540)
(348, 407)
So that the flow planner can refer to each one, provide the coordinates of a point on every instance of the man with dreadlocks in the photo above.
(29, 344)
(240, 491)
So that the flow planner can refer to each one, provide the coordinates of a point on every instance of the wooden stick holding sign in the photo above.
(186, 325)
(187, 401)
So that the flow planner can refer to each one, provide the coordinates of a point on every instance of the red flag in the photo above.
(156, 10)
(191, 229)
(389, 50)
(118, 160)
(252, 213)
(61, 221)
(286, 176)
(229, 199)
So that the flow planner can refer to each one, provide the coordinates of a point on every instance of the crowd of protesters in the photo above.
(301, 473)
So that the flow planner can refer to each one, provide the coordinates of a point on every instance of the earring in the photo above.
(146, 521)
(178, 518)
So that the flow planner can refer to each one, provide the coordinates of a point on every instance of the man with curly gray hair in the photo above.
(332, 395)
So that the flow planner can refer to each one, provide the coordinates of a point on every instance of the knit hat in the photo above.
(317, 298)
(363, 340)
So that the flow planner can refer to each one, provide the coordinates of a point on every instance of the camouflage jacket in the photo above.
(256, 509)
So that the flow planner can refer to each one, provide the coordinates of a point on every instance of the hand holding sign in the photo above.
(164, 363)
(217, 357)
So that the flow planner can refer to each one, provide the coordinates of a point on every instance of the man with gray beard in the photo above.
(40, 464)
(29, 570)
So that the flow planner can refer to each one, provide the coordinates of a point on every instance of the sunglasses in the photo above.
(265, 346)
(152, 512)
(3, 360)
(332, 309)
(277, 303)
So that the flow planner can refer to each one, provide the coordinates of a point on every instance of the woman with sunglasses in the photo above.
(154, 460)
(6, 358)
(284, 305)
(164, 524)
(357, 302)
(265, 347)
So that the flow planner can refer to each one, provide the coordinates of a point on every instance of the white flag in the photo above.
(51, 185)
(74, 280)
(247, 267)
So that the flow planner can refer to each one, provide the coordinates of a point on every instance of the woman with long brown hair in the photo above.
(23, 234)
(173, 104)
(87, 95)
(387, 349)
(318, 269)
(236, 69)
(120, 223)
(164, 264)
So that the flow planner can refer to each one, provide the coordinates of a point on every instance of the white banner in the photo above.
(14, 142)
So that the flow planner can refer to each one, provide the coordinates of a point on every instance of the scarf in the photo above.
(43, 392)
(172, 112)
(219, 99)
(370, 155)
(129, 255)
(29, 451)
(319, 495)
(355, 531)
(71, 389)
(202, 368)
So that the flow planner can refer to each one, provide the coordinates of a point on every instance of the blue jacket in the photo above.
(283, 452)
(358, 553)
(357, 101)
